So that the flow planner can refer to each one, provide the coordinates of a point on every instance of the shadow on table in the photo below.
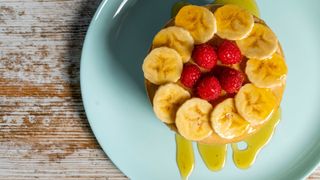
(79, 27)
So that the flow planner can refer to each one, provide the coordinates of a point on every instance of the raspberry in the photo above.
(229, 53)
(190, 75)
(230, 79)
(205, 56)
(209, 88)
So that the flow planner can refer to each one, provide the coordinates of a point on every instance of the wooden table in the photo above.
(44, 132)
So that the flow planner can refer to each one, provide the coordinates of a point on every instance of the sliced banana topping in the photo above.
(176, 38)
(261, 43)
(193, 119)
(233, 22)
(168, 98)
(162, 65)
(231, 119)
(226, 121)
(254, 104)
(199, 21)
(267, 73)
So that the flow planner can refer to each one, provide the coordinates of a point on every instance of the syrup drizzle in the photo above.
(243, 159)
(185, 156)
(214, 155)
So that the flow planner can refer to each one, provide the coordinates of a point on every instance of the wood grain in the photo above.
(44, 133)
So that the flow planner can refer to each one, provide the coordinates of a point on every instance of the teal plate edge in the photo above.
(313, 159)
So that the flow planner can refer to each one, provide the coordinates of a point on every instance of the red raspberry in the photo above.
(231, 80)
(229, 53)
(205, 56)
(190, 75)
(209, 88)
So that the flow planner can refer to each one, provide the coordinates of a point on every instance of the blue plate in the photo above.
(144, 148)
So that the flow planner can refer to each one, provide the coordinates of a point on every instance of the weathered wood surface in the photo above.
(44, 132)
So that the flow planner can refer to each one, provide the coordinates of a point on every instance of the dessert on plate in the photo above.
(215, 74)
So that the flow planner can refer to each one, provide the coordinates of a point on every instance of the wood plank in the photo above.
(43, 128)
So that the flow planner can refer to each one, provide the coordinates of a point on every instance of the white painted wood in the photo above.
(44, 132)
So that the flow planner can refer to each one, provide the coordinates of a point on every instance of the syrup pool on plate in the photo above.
(214, 155)
(245, 158)
(185, 156)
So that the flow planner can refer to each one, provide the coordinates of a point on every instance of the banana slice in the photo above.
(261, 43)
(226, 122)
(267, 73)
(254, 104)
(199, 21)
(168, 98)
(162, 65)
(176, 38)
(233, 22)
(193, 119)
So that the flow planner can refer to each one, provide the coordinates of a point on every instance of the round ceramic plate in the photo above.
(141, 146)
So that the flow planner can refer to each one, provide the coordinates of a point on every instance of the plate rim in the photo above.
(312, 166)
(85, 105)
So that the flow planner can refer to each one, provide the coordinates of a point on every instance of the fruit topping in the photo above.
(162, 65)
(208, 88)
(254, 104)
(230, 79)
(226, 122)
(261, 43)
(267, 73)
(199, 21)
(168, 98)
(250, 5)
(190, 75)
(176, 38)
(193, 119)
(229, 53)
(205, 56)
(233, 22)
